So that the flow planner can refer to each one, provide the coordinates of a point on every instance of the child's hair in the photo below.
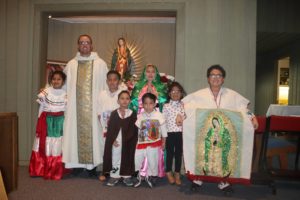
(113, 72)
(62, 75)
(123, 92)
(150, 65)
(150, 96)
(176, 84)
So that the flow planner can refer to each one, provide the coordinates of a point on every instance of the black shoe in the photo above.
(196, 184)
(226, 188)
(153, 180)
(139, 181)
(149, 182)
(112, 181)
(93, 173)
(223, 185)
(77, 171)
(128, 182)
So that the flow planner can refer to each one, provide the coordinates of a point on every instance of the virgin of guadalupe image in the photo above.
(122, 60)
(219, 147)
(149, 130)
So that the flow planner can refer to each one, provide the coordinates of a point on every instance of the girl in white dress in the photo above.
(46, 156)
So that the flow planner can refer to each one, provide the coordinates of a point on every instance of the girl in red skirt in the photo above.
(46, 156)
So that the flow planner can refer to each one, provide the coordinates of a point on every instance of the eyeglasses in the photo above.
(215, 75)
(175, 91)
(84, 42)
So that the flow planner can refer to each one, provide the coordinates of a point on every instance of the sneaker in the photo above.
(148, 180)
(223, 185)
(128, 182)
(112, 181)
(197, 182)
(139, 181)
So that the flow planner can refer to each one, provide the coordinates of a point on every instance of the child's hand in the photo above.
(254, 123)
(41, 90)
(149, 87)
(143, 127)
(152, 90)
(179, 120)
(116, 143)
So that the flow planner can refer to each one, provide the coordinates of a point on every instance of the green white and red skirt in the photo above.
(46, 156)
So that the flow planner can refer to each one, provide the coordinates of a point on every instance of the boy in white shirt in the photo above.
(152, 134)
(107, 102)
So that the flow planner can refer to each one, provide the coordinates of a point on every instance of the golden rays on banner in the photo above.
(217, 142)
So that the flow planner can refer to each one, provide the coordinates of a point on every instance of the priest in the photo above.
(83, 145)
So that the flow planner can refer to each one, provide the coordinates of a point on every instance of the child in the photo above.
(174, 114)
(46, 156)
(108, 101)
(120, 143)
(151, 138)
(149, 83)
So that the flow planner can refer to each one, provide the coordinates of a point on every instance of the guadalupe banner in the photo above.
(218, 145)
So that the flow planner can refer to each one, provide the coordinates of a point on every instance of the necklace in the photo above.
(215, 97)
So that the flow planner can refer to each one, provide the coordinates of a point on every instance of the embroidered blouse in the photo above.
(52, 100)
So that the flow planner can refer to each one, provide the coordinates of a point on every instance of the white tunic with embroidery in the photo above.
(70, 148)
(226, 99)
